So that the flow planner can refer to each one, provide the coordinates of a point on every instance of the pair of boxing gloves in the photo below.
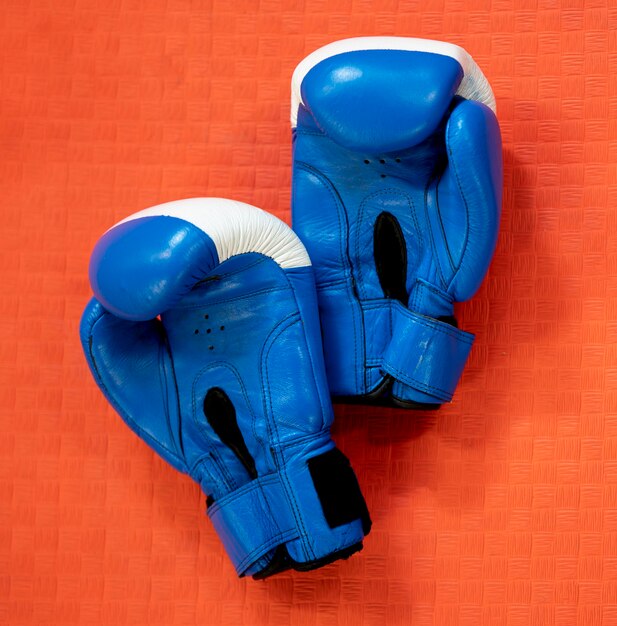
(220, 335)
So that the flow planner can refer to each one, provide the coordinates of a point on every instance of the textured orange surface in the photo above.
(498, 509)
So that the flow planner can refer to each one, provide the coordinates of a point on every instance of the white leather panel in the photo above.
(236, 228)
(474, 85)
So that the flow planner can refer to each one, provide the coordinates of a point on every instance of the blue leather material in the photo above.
(436, 343)
(234, 517)
(244, 326)
(275, 500)
(380, 100)
(139, 381)
(391, 328)
(142, 267)
(381, 132)
(471, 186)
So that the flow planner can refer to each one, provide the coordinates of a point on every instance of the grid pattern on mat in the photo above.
(499, 509)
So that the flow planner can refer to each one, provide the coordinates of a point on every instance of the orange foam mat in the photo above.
(500, 508)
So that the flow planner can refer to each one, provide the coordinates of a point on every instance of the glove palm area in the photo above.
(396, 194)
(203, 335)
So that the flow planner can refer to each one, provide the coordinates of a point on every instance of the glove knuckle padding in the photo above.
(396, 194)
(204, 336)
(352, 99)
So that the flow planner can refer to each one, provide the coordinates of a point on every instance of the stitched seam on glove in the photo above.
(414, 382)
(253, 485)
(349, 270)
(439, 292)
(360, 220)
(360, 282)
(308, 133)
(201, 467)
(377, 305)
(310, 355)
(441, 327)
(453, 267)
(331, 283)
(261, 259)
(268, 343)
(162, 348)
(460, 336)
(460, 188)
(207, 433)
(338, 202)
(234, 299)
(433, 179)
(426, 286)
(228, 480)
(288, 322)
(281, 536)
(283, 466)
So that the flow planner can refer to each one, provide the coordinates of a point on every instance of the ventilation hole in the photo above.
(383, 175)
(209, 330)
(397, 160)
(206, 317)
(382, 161)
(197, 331)
(390, 252)
(366, 161)
(221, 415)
(222, 327)
(210, 347)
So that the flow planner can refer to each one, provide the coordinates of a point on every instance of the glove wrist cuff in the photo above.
(425, 356)
(312, 510)
(253, 520)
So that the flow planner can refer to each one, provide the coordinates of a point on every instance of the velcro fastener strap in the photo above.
(338, 490)
(253, 520)
(426, 354)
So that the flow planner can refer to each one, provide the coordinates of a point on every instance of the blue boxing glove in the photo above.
(203, 335)
(396, 194)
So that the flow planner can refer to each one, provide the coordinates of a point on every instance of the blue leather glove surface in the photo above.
(397, 182)
(203, 334)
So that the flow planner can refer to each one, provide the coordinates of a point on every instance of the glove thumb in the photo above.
(468, 197)
(130, 362)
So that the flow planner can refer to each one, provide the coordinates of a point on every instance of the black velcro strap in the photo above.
(338, 490)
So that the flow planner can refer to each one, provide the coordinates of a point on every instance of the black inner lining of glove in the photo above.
(281, 561)
(221, 415)
(338, 490)
(390, 252)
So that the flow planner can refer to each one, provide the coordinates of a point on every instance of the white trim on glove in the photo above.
(474, 85)
(235, 228)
